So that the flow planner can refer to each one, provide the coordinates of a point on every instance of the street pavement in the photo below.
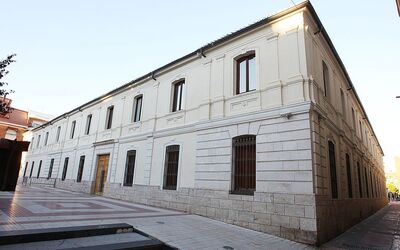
(380, 231)
(36, 208)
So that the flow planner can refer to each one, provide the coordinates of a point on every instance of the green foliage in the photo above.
(392, 188)
(4, 106)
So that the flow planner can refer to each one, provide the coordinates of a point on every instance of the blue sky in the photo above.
(70, 52)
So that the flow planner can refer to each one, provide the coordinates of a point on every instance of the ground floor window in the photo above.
(349, 182)
(332, 166)
(64, 173)
(171, 167)
(359, 180)
(50, 168)
(244, 164)
(366, 182)
(40, 167)
(26, 167)
(80, 168)
(30, 174)
(129, 167)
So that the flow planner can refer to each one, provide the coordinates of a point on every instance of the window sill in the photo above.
(242, 192)
(247, 92)
(177, 111)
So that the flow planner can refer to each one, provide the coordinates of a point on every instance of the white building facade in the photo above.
(261, 128)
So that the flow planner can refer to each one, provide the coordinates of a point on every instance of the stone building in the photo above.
(262, 129)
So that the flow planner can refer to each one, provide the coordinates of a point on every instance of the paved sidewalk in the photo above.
(379, 231)
(34, 207)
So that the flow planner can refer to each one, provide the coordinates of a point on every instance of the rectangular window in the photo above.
(353, 118)
(332, 166)
(137, 109)
(30, 174)
(359, 180)
(64, 173)
(50, 169)
(366, 182)
(109, 117)
(32, 143)
(80, 168)
(349, 182)
(129, 167)
(343, 99)
(46, 138)
(178, 95)
(88, 122)
(72, 130)
(361, 131)
(26, 167)
(38, 141)
(244, 165)
(40, 167)
(58, 133)
(325, 75)
(171, 167)
(246, 74)
(372, 185)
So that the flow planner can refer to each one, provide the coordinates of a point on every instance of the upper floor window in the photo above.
(171, 167)
(325, 75)
(332, 166)
(129, 167)
(46, 138)
(137, 108)
(58, 133)
(109, 117)
(353, 118)
(72, 129)
(11, 134)
(246, 73)
(88, 123)
(343, 99)
(32, 141)
(177, 102)
(38, 141)
(244, 164)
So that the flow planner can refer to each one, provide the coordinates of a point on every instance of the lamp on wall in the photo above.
(288, 115)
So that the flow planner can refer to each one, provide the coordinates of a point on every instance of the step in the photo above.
(34, 235)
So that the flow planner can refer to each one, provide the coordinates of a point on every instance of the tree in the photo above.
(392, 188)
(4, 103)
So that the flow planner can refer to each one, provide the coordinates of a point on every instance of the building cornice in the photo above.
(198, 53)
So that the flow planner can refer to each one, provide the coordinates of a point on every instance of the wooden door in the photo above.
(101, 173)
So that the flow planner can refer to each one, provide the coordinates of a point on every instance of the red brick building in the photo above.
(14, 124)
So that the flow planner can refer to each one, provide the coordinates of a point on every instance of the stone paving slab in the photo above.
(380, 231)
(78, 242)
(38, 207)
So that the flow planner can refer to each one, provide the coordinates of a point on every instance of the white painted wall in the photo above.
(288, 78)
